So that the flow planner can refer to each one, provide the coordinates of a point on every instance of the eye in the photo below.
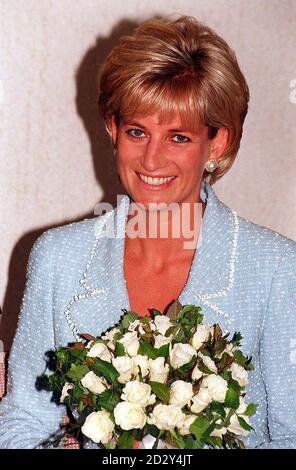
(137, 133)
(179, 138)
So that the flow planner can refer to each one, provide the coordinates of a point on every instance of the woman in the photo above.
(174, 102)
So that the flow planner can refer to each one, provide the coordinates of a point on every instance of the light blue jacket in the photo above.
(243, 276)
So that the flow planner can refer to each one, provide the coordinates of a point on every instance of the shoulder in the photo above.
(69, 243)
(265, 245)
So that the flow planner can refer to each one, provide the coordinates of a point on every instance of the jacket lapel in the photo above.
(104, 292)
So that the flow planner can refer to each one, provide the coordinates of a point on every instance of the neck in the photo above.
(161, 237)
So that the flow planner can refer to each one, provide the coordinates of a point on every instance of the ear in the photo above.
(219, 143)
(113, 130)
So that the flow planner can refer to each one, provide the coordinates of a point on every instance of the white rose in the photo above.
(219, 432)
(159, 371)
(185, 429)
(134, 325)
(201, 400)
(98, 427)
(161, 340)
(109, 336)
(140, 363)
(216, 386)
(125, 366)
(100, 350)
(138, 392)
(201, 335)
(89, 344)
(208, 362)
(162, 323)
(196, 373)
(138, 325)
(65, 391)
(242, 406)
(181, 354)
(166, 417)
(229, 348)
(180, 393)
(239, 374)
(236, 428)
(94, 383)
(131, 343)
(129, 415)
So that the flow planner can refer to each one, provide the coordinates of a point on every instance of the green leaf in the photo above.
(204, 368)
(242, 360)
(219, 346)
(161, 390)
(190, 365)
(119, 349)
(179, 336)
(251, 409)
(225, 361)
(236, 339)
(151, 429)
(146, 349)
(218, 408)
(126, 440)
(177, 439)
(107, 370)
(172, 330)
(81, 405)
(155, 312)
(78, 392)
(189, 442)
(244, 424)
(80, 355)
(163, 351)
(199, 427)
(215, 442)
(232, 395)
(128, 318)
(110, 445)
(62, 355)
(226, 421)
(76, 372)
(108, 400)
(55, 382)
(191, 308)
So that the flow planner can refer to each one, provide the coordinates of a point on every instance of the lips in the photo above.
(155, 181)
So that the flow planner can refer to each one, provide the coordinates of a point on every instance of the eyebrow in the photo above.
(138, 124)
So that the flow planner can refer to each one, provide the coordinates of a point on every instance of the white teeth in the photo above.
(155, 181)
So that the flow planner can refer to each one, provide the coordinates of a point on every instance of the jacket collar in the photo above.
(213, 266)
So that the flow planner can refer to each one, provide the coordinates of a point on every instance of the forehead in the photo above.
(171, 121)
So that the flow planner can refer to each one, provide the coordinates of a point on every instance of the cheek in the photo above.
(192, 163)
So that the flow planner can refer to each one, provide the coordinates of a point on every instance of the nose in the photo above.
(153, 157)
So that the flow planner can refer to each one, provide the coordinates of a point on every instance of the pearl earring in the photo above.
(211, 165)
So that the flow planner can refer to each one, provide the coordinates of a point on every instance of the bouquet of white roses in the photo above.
(168, 380)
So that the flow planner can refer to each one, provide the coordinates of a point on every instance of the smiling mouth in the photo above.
(155, 181)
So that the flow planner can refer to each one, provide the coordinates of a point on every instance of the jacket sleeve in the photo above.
(28, 416)
(278, 354)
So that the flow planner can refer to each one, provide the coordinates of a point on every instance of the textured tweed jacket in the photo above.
(242, 275)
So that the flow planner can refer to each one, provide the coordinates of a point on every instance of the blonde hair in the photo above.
(182, 65)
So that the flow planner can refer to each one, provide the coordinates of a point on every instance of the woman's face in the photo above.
(162, 163)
